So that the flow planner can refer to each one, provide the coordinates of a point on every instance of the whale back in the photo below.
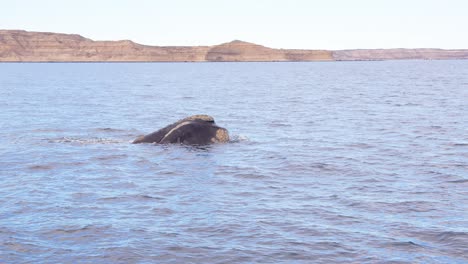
(196, 129)
(195, 133)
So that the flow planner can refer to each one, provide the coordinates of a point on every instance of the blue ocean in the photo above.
(329, 162)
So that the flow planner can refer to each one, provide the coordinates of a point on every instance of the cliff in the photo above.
(399, 54)
(20, 45)
(17, 45)
(244, 51)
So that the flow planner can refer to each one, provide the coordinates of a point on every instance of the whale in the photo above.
(192, 130)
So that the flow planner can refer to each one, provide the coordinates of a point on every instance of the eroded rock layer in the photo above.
(20, 45)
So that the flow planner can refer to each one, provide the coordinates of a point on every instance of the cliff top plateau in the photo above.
(25, 46)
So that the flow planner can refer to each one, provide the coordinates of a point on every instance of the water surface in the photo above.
(331, 162)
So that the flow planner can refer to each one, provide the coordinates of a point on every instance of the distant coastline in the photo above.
(25, 46)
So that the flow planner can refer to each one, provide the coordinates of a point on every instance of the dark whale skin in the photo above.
(193, 130)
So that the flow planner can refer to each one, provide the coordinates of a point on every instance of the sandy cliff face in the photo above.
(19, 45)
(308, 55)
(244, 51)
(38, 46)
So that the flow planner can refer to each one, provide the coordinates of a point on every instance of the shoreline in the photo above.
(182, 62)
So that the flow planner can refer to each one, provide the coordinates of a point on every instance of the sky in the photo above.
(295, 24)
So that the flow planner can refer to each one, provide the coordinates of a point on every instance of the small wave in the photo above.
(109, 129)
(145, 196)
(452, 237)
(328, 245)
(405, 245)
(411, 104)
(71, 230)
(239, 138)
(112, 157)
(278, 124)
(24, 247)
(459, 181)
(454, 241)
(48, 130)
(250, 176)
(360, 145)
(84, 141)
(139, 197)
(83, 195)
(406, 206)
(40, 167)
(163, 211)
(78, 229)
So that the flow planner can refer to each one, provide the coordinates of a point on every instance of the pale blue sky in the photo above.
(324, 24)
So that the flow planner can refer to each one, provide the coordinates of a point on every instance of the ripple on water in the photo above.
(85, 141)
(356, 162)
(86, 229)
(41, 167)
(111, 130)
(461, 181)
(239, 138)
(112, 157)
(131, 198)
(453, 243)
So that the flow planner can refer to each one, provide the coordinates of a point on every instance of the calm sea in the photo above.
(330, 162)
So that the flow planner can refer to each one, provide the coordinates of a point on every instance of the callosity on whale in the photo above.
(192, 130)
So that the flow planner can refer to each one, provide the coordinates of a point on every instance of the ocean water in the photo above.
(330, 162)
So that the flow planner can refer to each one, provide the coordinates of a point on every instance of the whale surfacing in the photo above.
(192, 130)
